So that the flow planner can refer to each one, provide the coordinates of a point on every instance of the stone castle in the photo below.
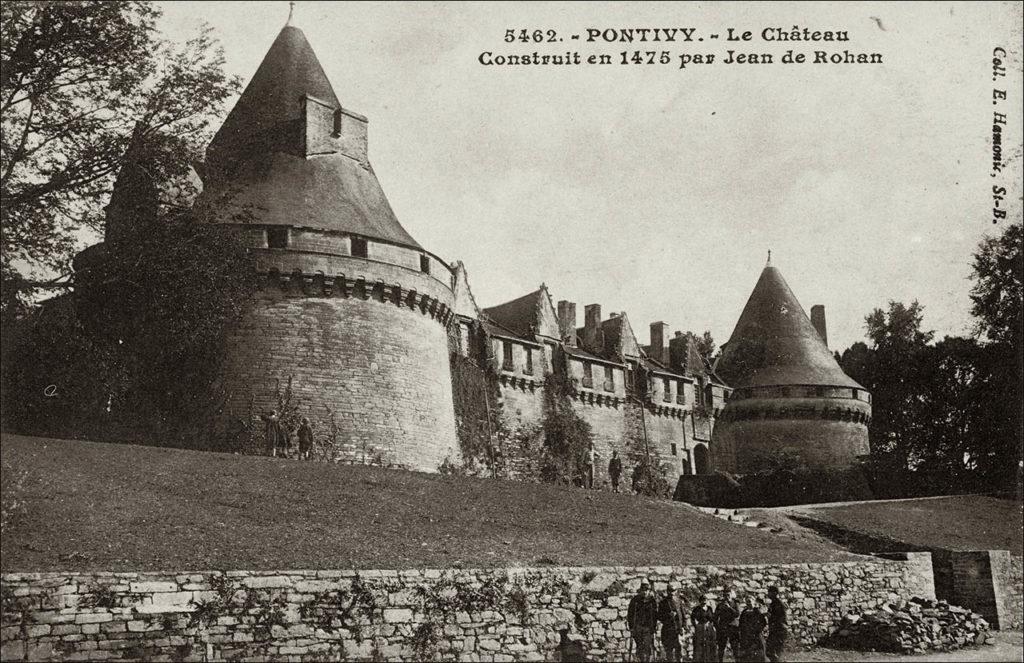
(366, 324)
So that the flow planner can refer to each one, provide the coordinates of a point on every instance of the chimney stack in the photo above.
(567, 321)
(659, 336)
(592, 339)
(818, 320)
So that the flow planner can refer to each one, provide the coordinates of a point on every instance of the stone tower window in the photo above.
(529, 362)
(666, 387)
(675, 450)
(588, 375)
(424, 264)
(359, 249)
(609, 379)
(277, 237)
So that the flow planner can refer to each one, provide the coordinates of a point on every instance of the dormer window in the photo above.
(588, 375)
(359, 248)
(277, 237)
(506, 357)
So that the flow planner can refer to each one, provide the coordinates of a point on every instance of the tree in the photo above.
(78, 81)
(705, 345)
(150, 314)
(567, 436)
(998, 295)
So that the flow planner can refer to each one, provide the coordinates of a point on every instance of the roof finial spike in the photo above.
(291, 11)
(768, 264)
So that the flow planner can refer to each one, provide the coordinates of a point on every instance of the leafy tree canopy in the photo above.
(78, 81)
(998, 296)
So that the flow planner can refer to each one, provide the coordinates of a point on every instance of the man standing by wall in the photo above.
(776, 644)
(615, 470)
(642, 619)
(672, 618)
(727, 625)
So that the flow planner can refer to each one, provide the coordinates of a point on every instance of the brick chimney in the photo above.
(592, 336)
(567, 321)
(659, 345)
(818, 320)
(679, 350)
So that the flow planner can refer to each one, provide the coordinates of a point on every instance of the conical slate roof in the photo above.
(273, 97)
(774, 342)
(258, 159)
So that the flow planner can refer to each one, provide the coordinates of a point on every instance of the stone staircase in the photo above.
(736, 516)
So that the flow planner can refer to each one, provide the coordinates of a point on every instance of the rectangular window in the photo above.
(681, 393)
(425, 264)
(609, 378)
(506, 359)
(359, 248)
(588, 375)
(675, 451)
(529, 361)
(666, 386)
(277, 237)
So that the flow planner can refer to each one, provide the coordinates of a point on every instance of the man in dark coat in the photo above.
(642, 619)
(305, 439)
(274, 432)
(727, 625)
(777, 632)
(702, 612)
(672, 616)
(752, 625)
(615, 470)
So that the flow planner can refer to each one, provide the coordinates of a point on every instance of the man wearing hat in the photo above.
(672, 616)
(642, 619)
(776, 644)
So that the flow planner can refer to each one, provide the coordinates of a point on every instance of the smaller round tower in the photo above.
(791, 400)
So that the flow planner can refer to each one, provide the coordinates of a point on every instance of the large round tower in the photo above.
(790, 397)
(351, 310)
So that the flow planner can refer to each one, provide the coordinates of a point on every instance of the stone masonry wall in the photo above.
(466, 615)
(1013, 582)
(378, 369)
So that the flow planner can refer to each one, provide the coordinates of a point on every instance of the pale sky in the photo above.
(659, 191)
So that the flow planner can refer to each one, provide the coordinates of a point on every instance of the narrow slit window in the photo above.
(609, 378)
(588, 375)
(529, 362)
(424, 264)
(359, 249)
(666, 386)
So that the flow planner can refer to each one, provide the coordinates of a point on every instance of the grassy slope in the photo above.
(965, 522)
(119, 507)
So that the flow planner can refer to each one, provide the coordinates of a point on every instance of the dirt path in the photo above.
(1009, 646)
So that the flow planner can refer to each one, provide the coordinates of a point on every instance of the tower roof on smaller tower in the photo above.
(774, 342)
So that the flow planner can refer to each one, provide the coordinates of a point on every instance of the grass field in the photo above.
(119, 507)
(962, 522)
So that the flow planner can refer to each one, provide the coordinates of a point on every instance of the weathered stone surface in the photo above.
(555, 597)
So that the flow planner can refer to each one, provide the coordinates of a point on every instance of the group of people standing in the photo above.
(278, 441)
(714, 628)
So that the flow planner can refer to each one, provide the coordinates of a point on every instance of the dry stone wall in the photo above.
(466, 615)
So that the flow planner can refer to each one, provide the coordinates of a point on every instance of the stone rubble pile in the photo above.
(911, 626)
